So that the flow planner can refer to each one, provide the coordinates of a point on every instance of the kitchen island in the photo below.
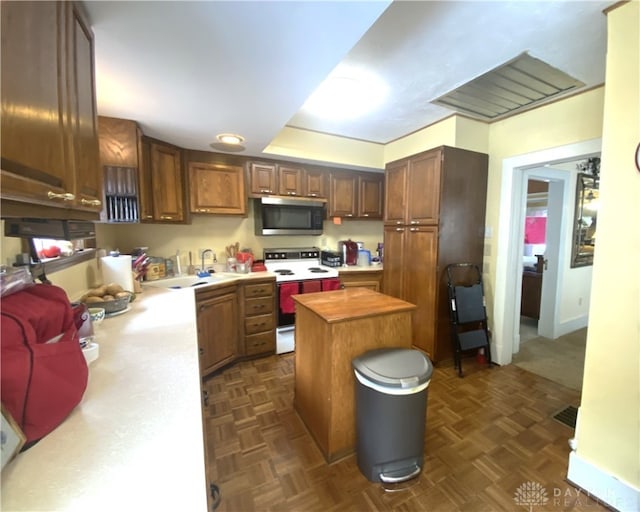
(332, 328)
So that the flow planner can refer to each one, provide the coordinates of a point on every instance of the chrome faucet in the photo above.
(202, 270)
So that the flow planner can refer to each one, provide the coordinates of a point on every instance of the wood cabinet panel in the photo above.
(118, 142)
(316, 183)
(259, 314)
(361, 279)
(434, 216)
(342, 195)
(217, 331)
(217, 188)
(161, 183)
(370, 196)
(290, 181)
(262, 178)
(49, 131)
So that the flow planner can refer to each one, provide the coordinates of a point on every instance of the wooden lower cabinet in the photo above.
(259, 317)
(416, 282)
(217, 323)
(361, 279)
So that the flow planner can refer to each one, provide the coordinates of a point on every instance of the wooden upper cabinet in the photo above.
(291, 181)
(263, 178)
(286, 180)
(83, 114)
(412, 190)
(343, 195)
(217, 188)
(370, 195)
(168, 183)
(49, 131)
(356, 195)
(315, 183)
(145, 184)
(118, 142)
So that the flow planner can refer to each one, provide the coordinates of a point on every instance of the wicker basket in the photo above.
(112, 306)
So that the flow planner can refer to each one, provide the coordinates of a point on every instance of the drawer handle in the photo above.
(66, 196)
(91, 202)
(166, 217)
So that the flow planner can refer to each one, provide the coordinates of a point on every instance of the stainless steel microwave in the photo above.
(285, 216)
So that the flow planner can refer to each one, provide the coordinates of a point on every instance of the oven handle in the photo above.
(286, 328)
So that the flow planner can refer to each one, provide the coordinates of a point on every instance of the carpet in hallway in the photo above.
(560, 360)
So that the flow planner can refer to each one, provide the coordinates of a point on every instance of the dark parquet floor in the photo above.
(487, 435)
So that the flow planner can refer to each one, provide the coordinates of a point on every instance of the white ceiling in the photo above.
(187, 71)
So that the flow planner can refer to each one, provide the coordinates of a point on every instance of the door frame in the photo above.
(508, 283)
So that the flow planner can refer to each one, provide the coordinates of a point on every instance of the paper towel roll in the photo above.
(117, 269)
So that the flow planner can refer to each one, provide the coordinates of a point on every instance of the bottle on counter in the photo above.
(380, 251)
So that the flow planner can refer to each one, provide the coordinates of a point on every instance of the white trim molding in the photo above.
(603, 486)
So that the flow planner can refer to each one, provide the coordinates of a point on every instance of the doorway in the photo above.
(515, 174)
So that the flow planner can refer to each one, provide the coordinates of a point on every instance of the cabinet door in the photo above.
(316, 183)
(395, 193)
(423, 190)
(394, 264)
(420, 283)
(166, 177)
(145, 184)
(118, 140)
(34, 102)
(263, 178)
(217, 188)
(290, 181)
(217, 331)
(370, 196)
(342, 199)
(83, 117)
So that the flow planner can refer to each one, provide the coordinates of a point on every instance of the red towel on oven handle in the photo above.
(287, 305)
(331, 284)
(311, 286)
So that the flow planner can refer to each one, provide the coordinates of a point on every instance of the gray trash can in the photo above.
(391, 402)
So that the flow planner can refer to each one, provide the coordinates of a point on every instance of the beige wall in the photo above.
(216, 232)
(608, 431)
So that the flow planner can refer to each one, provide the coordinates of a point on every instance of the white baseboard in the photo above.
(572, 325)
(606, 488)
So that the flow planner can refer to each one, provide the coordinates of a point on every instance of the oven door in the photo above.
(285, 332)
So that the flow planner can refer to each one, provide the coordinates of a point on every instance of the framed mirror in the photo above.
(584, 226)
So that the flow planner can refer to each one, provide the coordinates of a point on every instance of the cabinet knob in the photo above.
(365, 214)
(415, 222)
(349, 215)
(399, 229)
(90, 202)
(66, 196)
(166, 217)
(413, 229)
(398, 222)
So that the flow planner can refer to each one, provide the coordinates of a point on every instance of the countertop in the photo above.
(135, 442)
(355, 268)
(351, 303)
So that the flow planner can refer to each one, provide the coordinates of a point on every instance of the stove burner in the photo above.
(317, 270)
(284, 272)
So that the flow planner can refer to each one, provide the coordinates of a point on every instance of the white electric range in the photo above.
(298, 270)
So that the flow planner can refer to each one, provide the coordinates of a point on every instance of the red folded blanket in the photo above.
(311, 286)
(330, 284)
(286, 302)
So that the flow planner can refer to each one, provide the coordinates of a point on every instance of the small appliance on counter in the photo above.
(331, 258)
(349, 251)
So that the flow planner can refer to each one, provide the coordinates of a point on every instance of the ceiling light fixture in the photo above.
(230, 138)
(229, 142)
(347, 93)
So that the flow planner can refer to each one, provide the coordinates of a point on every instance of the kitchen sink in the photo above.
(189, 281)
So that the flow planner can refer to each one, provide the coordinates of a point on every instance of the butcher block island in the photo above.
(332, 328)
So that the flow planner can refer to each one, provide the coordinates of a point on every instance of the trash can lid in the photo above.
(394, 367)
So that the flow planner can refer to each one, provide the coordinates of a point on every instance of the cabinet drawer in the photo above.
(260, 343)
(260, 323)
(258, 306)
(258, 290)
